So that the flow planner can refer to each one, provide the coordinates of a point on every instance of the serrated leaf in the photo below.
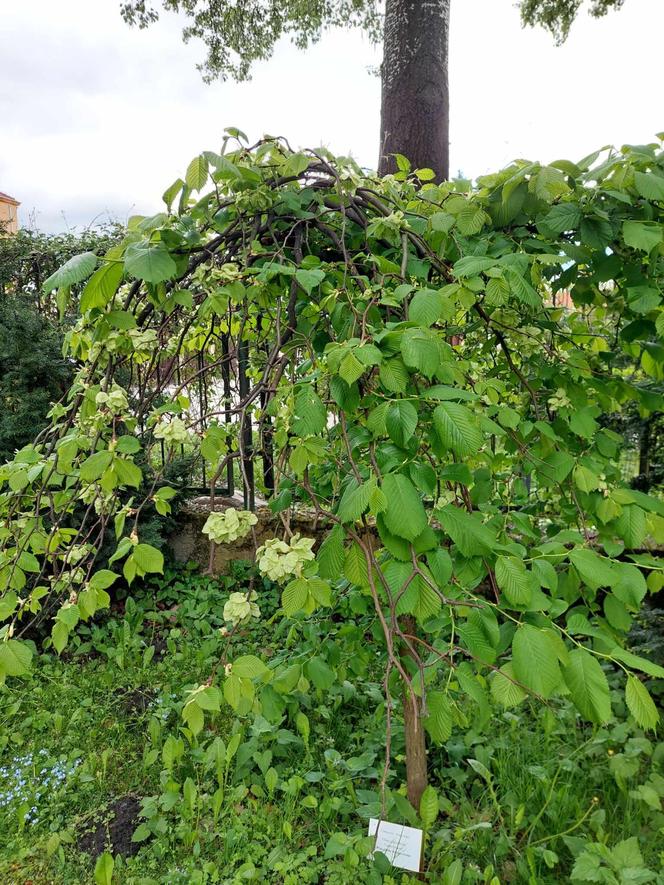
(596, 571)
(428, 806)
(514, 580)
(439, 721)
(504, 689)
(197, 173)
(295, 595)
(330, 556)
(350, 369)
(405, 516)
(588, 686)
(249, 667)
(631, 526)
(470, 535)
(94, 466)
(649, 185)
(563, 217)
(102, 286)
(425, 307)
(420, 350)
(400, 421)
(355, 499)
(457, 429)
(355, 566)
(15, 658)
(640, 704)
(394, 375)
(637, 662)
(642, 235)
(148, 559)
(535, 660)
(309, 279)
(149, 261)
(73, 271)
(310, 413)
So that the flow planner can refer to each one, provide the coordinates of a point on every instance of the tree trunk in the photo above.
(415, 119)
(644, 447)
(416, 749)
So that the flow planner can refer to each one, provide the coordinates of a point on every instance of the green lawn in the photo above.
(93, 755)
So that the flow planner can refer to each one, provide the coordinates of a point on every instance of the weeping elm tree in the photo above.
(414, 119)
(423, 395)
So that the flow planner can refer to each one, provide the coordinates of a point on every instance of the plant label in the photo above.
(401, 845)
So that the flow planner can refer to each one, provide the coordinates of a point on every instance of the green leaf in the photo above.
(172, 192)
(73, 271)
(555, 468)
(596, 571)
(310, 412)
(330, 556)
(643, 235)
(428, 806)
(640, 704)
(393, 375)
(649, 185)
(514, 580)
(322, 676)
(457, 429)
(93, 467)
(588, 686)
(405, 516)
(637, 662)
(504, 689)
(418, 599)
(631, 526)
(309, 279)
(563, 217)
(295, 595)
(355, 500)
(151, 262)
(400, 421)
(197, 173)
(15, 658)
(104, 869)
(472, 265)
(101, 286)
(102, 579)
(249, 667)
(425, 307)
(194, 717)
(470, 535)
(535, 660)
(148, 558)
(420, 350)
(439, 721)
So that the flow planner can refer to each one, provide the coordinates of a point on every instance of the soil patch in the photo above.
(135, 701)
(113, 829)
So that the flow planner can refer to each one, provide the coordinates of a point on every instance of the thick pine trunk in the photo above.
(414, 118)
(416, 748)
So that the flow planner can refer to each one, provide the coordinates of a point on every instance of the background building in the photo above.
(8, 214)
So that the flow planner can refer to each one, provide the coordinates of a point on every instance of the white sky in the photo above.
(97, 119)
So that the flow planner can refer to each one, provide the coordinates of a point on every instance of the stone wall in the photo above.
(189, 544)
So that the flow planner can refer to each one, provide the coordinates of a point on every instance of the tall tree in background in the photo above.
(414, 73)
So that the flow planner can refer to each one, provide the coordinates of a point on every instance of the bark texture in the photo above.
(415, 117)
(416, 748)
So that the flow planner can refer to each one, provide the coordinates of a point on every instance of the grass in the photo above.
(90, 740)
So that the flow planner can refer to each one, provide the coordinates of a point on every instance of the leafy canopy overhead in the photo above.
(237, 34)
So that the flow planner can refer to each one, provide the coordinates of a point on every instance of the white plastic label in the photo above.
(401, 845)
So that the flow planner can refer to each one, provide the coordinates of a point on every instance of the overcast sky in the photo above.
(97, 119)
